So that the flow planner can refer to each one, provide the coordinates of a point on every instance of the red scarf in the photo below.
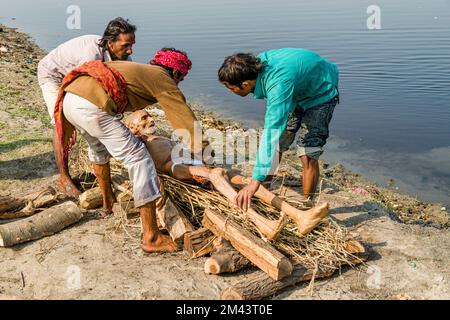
(111, 81)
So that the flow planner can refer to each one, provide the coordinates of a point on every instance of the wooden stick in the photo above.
(262, 254)
(172, 219)
(199, 243)
(259, 285)
(42, 224)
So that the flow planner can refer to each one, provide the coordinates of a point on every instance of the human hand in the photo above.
(244, 197)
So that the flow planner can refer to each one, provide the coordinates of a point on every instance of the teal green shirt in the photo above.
(292, 77)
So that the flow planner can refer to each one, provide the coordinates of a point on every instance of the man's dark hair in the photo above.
(240, 67)
(172, 71)
(114, 29)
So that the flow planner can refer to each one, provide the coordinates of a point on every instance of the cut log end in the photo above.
(212, 266)
(285, 268)
(232, 294)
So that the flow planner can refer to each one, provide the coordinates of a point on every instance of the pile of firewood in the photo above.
(204, 223)
(30, 217)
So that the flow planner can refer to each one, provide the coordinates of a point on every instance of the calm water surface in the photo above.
(394, 116)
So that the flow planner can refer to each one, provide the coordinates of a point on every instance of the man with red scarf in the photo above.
(92, 100)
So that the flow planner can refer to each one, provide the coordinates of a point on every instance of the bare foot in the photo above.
(67, 187)
(162, 243)
(311, 218)
(108, 206)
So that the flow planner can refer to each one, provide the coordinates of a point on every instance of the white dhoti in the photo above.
(107, 136)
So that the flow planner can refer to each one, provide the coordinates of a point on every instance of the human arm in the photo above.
(279, 105)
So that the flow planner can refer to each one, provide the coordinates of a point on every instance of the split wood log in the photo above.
(45, 223)
(199, 243)
(91, 199)
(259, 285)
(171, 217)
(260, 253)
(46, 197)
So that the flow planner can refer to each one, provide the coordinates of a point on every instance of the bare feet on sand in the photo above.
(108, 207)
(161, 243)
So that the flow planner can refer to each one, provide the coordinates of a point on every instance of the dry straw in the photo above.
(323, 248)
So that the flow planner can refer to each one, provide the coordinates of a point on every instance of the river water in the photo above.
(394, 116)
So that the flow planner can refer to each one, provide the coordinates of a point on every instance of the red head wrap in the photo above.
(173, 59)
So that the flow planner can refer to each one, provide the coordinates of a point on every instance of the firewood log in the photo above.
(32, 202)
(91, 199)
(259, 285)
(172, 219)
(199, 243)
(260, 253)
(226, 260)
(9, 204)
(45, 223)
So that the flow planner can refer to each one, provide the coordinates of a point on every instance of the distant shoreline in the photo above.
(20, 98)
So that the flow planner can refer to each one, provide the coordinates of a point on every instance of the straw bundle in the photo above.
(322, 249)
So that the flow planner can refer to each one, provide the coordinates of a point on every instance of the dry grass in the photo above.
(322, 249)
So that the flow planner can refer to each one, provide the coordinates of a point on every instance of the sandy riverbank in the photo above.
(409, 239)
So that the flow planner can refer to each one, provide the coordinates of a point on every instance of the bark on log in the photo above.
(260, 253)
(10, 204)
(42, 224)
(91, 199)
(199, 243)
(172, 219)
(259, 285)
(32, 202)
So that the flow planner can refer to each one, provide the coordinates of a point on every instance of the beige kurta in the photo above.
(146, 85)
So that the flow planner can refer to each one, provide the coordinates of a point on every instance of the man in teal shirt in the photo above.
(301, 91)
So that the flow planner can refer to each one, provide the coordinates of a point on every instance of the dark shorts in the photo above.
(313, 125)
